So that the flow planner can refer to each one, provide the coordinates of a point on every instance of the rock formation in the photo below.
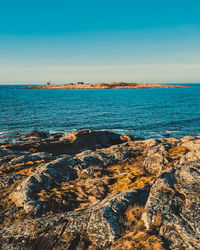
(106, 192)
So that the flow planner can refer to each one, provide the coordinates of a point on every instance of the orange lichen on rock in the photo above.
(17, 167)
(127, 182)
(26, 171)
(129, 174)
(16, 217)
(77, 194)
(177, 151)
(133, 195)
(135, 235)
(22, 170)
(5, 202)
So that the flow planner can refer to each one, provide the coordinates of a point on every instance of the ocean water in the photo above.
(147, 113)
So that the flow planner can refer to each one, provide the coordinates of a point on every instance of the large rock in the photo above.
(36, 133)
(168, 201)
(62, 170)
(90, 140)
(193, 145)
(155, 161)
(45, 177)
(102, 222)
(73, 143)
(173, 206)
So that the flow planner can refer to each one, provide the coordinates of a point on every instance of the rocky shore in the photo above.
(109, 85)
(100, 190)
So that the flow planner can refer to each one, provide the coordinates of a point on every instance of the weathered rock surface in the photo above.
(133, 195)
(102, 221)
(62, 170)
(8, 155)
(31, 157)
(173, 203)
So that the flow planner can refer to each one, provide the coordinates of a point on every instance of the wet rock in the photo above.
(166, 135)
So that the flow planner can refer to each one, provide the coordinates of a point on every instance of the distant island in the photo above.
(108, 85)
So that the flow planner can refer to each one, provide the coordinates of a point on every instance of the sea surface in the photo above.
(146, 113)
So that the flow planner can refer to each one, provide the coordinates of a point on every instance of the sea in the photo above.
(143, 113)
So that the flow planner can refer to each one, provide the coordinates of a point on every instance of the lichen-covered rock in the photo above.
(133, 195)
(31, 157)
(193, 146)
(45, 177)
(173, 206)
(155, 160)
(102, 222)
(8, 155)
(63, 169)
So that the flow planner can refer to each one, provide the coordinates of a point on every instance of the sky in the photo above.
(66, 41)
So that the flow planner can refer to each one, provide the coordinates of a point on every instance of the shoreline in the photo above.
(97, 188)
(110, 85)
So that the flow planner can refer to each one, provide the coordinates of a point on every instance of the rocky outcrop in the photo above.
(8, 155)
(44, 178)
(71, 144)
(102, 221)
(62, 170)
(31, 157)
(132, 195)
(173, 203)
(173, 206)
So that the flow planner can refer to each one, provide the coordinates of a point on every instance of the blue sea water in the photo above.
(147, 113)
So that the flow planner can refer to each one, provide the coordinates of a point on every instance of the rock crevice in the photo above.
(136, 195)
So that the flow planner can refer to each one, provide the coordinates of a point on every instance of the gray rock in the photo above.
(171, 200)
(155, 161)
(31, 157)
(45, 177)
(63, 170)
(103, 221)
(193, 146)
(174, 198)
(8, 155)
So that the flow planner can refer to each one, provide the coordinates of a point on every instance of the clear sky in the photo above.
(99, 40)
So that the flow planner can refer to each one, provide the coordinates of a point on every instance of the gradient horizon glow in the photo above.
(95, 41)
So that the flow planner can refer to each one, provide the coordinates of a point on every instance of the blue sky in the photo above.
(95, 41)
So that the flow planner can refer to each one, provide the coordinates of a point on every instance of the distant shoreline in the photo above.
(110, 85)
